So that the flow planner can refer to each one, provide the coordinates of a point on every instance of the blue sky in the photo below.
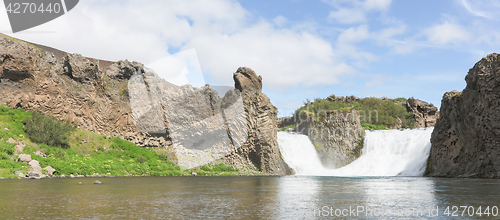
(303, 49)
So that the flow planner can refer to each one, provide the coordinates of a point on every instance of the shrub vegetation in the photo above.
(49, 130)
(381, 114)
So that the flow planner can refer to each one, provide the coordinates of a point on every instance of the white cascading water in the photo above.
(385, 153)
(299, 153)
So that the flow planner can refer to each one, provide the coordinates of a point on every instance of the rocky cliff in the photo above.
(71, 86)
(466, 138)
(128, 100)
(337, 136)
(261, 147)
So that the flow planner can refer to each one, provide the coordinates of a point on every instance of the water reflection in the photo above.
(297, 196)
(288, 197)
(399, 197)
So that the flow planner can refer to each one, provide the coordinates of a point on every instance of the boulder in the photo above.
(20, 146)
(246, 79)
(35, 170)
(25, 158)
(41, 154)
(123, 69)
(50, 170)
(425, 114)
(12, 141)
(80, 68)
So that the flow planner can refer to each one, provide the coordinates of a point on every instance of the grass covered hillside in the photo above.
(60, 145)
(375, 113)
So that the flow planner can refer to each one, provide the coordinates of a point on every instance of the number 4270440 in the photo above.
(471, 211)
(23, 8)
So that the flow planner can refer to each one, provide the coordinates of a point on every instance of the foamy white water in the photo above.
(299, 153)
(385, 153)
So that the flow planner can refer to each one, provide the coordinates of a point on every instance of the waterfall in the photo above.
(385, 153)
(299, 153)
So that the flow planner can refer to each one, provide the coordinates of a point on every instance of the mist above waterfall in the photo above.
(385, 153)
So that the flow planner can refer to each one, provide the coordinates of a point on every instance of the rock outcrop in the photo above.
(337, 136)
(72, 87)
(466, 138)
(425, 114)
(261, 147)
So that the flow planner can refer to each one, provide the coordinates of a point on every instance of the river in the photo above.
(247, 197)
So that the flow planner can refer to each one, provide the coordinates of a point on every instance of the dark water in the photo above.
(290, 197)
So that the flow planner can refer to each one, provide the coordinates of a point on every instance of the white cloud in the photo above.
(222, 33)
(484, 8)
(379, 5)
(280, 21)
(347, 16)
(403, 47)
(446, 33)
(180, 68)
(356, 11)
(283, 57)
(354, 34)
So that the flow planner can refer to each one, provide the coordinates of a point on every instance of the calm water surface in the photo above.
(289, 197)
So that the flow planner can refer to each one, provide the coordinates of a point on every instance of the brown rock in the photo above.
(25, 158)
(261, 148)
(425, 114)
(50, 170)
(35, 171)
(20, 146)
(338, 136)
(246, 79)
(41, 154)
(466, 138)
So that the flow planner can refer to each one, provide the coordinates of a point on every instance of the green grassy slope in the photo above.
(375, 113)
(84, 152)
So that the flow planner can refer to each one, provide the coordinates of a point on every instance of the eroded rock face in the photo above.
(425, 114)
(261, 148)
(337, 136)
(71, 86)
(466, 138)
